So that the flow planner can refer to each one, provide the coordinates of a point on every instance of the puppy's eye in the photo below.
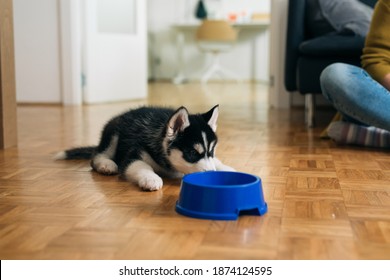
(192, 155)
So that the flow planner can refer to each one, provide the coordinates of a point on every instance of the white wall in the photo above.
(162, 14)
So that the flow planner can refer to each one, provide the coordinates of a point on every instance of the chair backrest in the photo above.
(216, 30)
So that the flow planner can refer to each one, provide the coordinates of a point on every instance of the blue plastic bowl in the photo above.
(221, 195)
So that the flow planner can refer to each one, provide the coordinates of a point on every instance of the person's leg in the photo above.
(356, 95)
(351, 133)
(386, 81)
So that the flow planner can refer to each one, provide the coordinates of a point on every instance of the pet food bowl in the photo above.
(220, 195)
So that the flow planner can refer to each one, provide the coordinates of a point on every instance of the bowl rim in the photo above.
(256, 180)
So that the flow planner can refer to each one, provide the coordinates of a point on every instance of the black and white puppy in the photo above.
(147, 141)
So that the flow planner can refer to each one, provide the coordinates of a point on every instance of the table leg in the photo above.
(180, 77)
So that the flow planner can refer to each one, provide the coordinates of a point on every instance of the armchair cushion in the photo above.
(333, 45)
(342, 16)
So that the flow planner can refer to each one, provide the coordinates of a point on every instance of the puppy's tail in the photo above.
(76, 153)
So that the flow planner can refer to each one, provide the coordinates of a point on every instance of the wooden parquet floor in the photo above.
(325, 201)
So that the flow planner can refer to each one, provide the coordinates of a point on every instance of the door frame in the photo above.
(70, 23)
(8, 124)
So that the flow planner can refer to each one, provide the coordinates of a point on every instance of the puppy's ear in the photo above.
(211, 117)
(177, 123)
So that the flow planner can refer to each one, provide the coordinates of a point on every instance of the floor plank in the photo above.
(325, 201)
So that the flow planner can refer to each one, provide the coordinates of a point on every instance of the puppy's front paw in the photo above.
(151, 182)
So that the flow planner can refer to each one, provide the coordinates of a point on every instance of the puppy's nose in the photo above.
(208, 165)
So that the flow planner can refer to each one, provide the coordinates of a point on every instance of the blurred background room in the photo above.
(93, 51)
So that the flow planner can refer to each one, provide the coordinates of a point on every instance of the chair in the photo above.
(215, 37)
(307, 56)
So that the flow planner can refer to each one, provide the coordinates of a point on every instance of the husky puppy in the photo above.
(147, 141)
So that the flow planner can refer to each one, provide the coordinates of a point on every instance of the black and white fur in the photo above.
(147, 141)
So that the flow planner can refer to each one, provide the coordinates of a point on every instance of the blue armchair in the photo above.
(307, 55)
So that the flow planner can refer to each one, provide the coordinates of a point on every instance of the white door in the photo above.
(115, 50)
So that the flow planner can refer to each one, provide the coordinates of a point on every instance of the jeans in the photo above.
(357, 96)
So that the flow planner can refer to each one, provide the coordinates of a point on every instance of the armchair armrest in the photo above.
(295, 36)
